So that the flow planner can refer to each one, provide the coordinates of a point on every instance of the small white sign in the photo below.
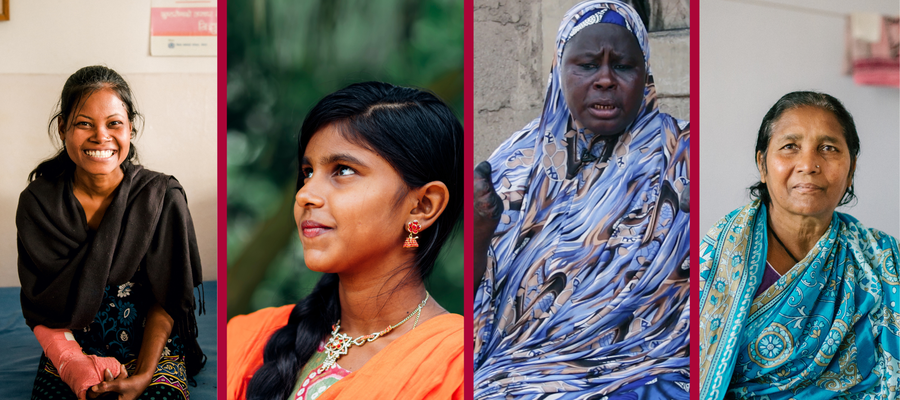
(183, 28)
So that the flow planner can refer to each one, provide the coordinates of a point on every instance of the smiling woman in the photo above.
(98, 141)
(108, 258)
(100, 130)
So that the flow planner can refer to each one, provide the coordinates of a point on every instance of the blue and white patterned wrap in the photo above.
(586, 288)
(828, 328)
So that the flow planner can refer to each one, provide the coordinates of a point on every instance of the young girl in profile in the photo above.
(378, 194)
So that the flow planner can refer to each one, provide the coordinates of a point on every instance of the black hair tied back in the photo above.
(291, 347)
(422, 139)
(78, 88)
(793, 100)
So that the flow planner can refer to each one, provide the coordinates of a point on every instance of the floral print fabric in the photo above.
(311, 383)
(586, 288)
(117, 331)
(828, 328)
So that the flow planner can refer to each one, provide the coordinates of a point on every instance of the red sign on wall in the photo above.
(183, 28)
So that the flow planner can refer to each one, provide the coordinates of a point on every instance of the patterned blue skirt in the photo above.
(117, 331)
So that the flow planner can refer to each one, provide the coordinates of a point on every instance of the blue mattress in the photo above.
(21, 351)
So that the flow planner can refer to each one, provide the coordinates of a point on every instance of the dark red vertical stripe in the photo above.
(696, 229)
(469, 126)
(222, 199)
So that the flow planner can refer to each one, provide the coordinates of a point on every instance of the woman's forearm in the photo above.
(78, 370)
(156, 333)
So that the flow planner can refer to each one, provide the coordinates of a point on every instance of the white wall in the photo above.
(751, 55)
(47, 40)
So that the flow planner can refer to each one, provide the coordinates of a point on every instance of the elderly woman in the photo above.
(582, 250)
(108, 259)
(798, 300)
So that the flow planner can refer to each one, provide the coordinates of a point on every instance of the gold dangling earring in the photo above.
(413, 228)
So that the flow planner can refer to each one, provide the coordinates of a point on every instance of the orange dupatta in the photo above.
(247, 337)
(425, 363)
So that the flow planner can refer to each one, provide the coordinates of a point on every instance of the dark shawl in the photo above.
(64, 266)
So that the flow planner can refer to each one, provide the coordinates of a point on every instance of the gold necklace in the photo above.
(339, 343)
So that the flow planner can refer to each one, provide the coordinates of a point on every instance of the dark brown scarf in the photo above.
(64, 266)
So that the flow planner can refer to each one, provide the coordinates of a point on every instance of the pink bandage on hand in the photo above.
(78, 370)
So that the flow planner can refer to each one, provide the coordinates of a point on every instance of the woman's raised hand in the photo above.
(488, 208)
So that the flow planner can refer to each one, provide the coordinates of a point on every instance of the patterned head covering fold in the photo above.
(829, 326)
(586, 288)
(555, 115)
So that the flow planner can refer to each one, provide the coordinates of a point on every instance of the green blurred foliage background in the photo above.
(284, 56)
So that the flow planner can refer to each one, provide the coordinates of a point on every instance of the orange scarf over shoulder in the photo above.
(425, 363)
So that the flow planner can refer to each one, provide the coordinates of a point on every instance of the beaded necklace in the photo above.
(339, 343)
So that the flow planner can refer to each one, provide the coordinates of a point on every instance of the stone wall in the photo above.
(514, 44)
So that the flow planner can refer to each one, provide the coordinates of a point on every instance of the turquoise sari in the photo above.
(828, 328)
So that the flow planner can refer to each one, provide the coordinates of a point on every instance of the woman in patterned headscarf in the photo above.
(798, 300)
(582, 229)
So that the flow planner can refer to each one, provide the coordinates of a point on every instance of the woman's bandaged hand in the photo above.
(78, 370)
